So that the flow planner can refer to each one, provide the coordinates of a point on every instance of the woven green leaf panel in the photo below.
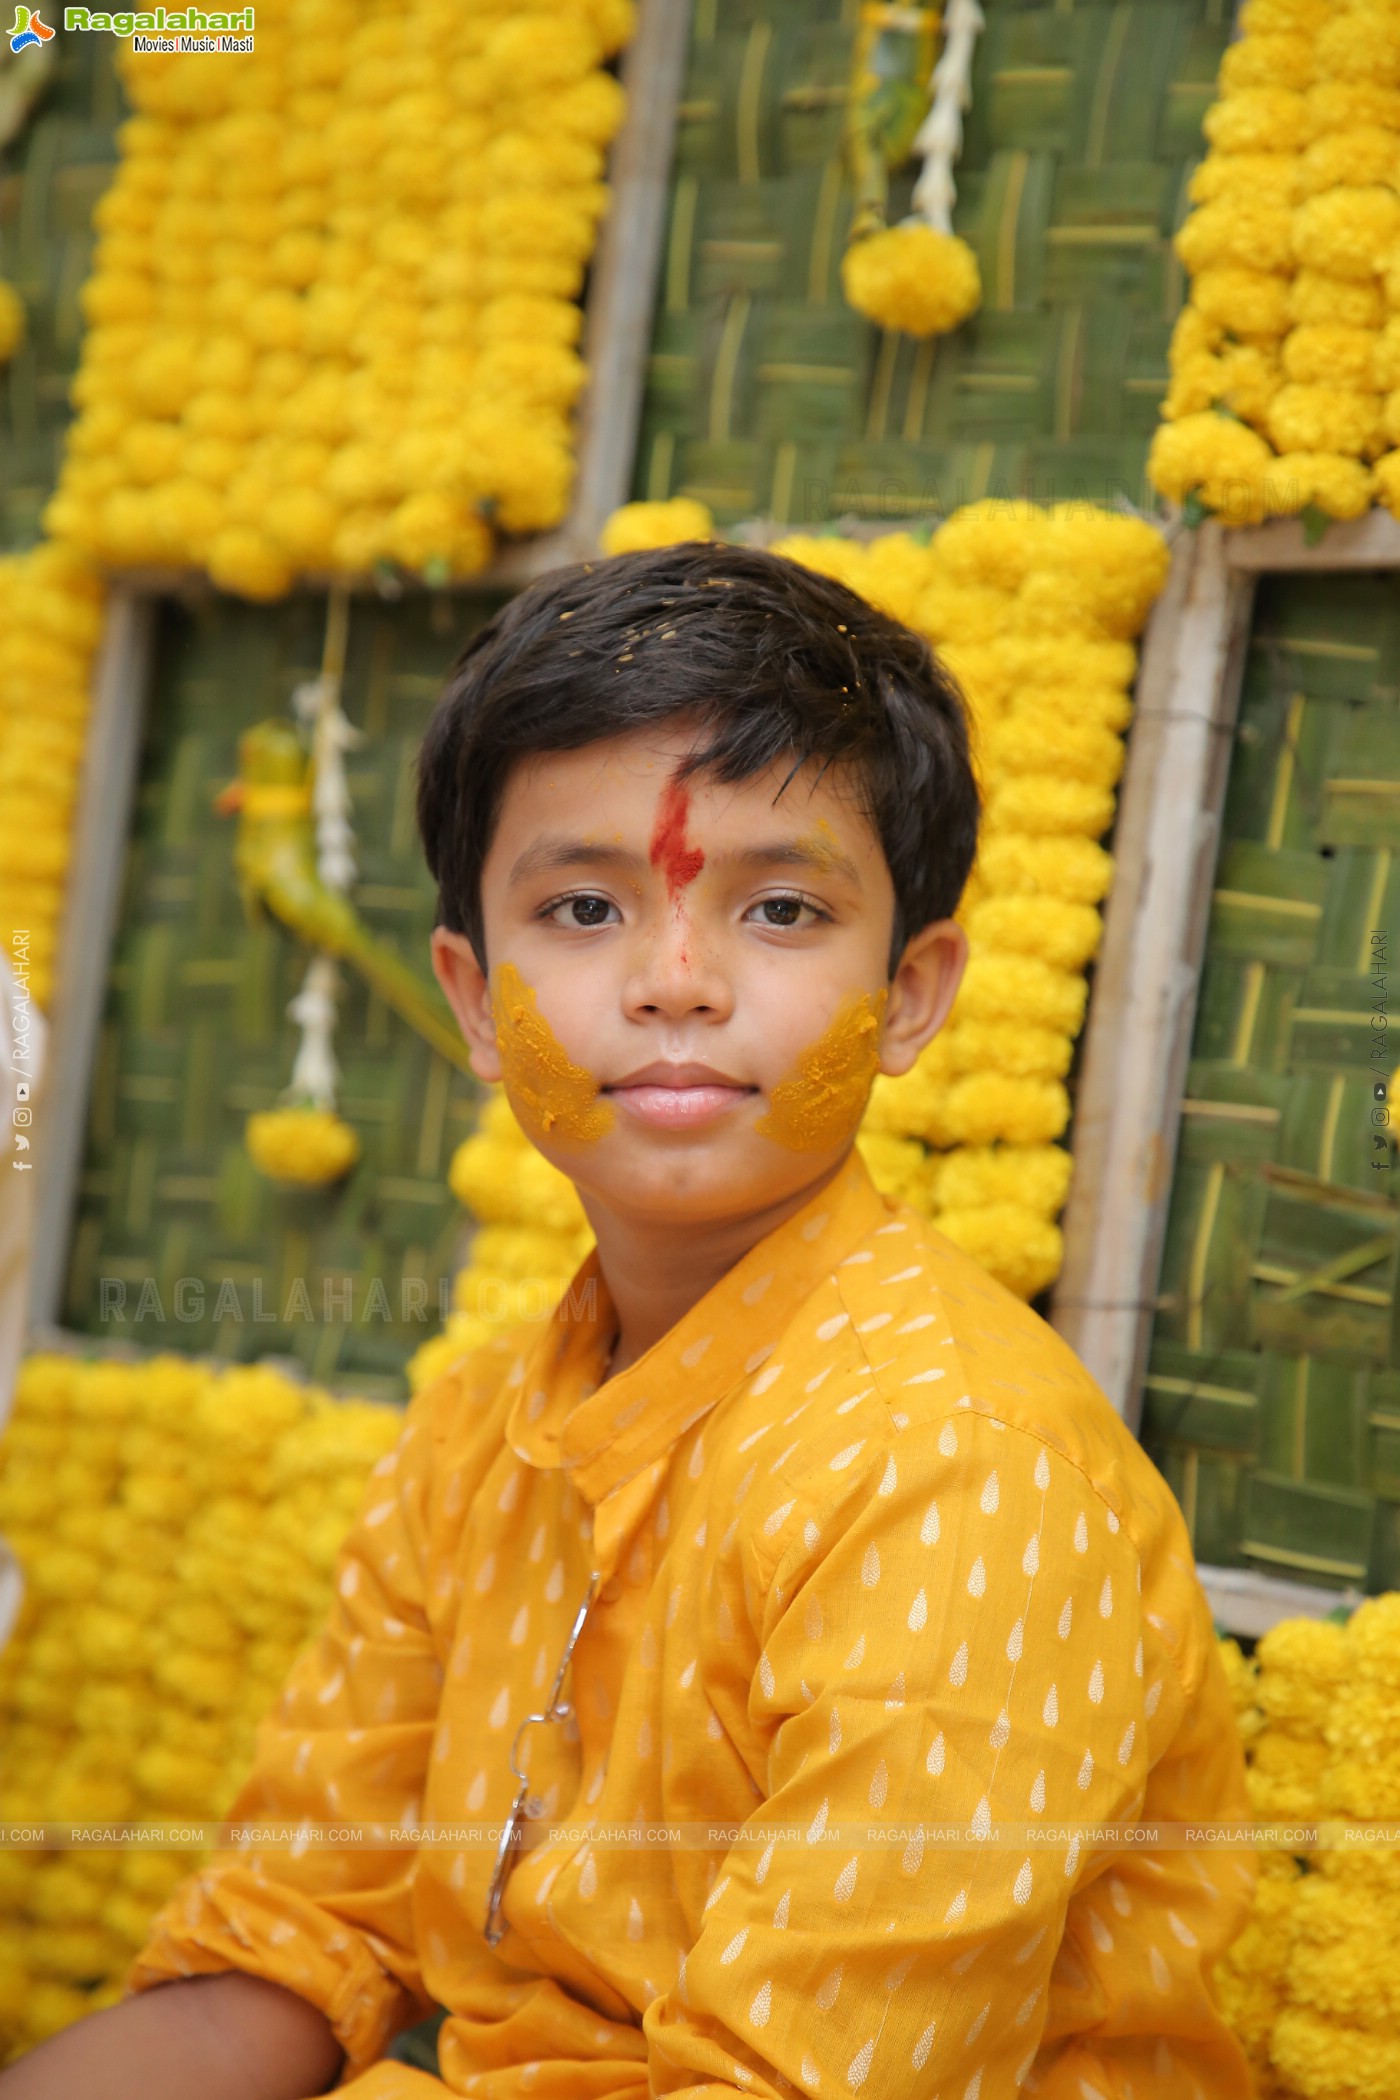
(51, 175)
(196, 1035)
(1273, 1389)
(768, 395)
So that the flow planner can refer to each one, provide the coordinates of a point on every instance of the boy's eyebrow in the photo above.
(552, 852)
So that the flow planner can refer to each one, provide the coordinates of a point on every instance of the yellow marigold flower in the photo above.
(590, 109)
(1032, 738)
(1348, 48)
(829, 555)
(1077, 869)
(11, 321)
(1265, 178)
(638, 526)
(1355, 158)
(1283, 17)
(1034, 1177)
(1249, 303)
(1336, 302)
(534, 52)
(912, 278)
(430, 528)
(899, 1167)
(502, 1178)
(1242, 229)
(1323, 354)
(1215, 459)
(1348, 105)
(1061, 933)
(1313, 2054)
(533, 490)
(1345, 231)
(1281, 59)
(1041, 802)
(1325, 419)
(1023, 1251)
(245, 561)
(613, 22)
(963, 612)
(1326, 481)
(306, 1145)
(993, 544)
(1242, 378)
(1258, 120)
(1019, 989)
(1193, 333)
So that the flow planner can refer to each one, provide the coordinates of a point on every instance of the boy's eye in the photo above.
(585, 909)
(787, 906)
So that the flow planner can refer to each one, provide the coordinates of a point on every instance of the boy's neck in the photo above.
(655, 1273)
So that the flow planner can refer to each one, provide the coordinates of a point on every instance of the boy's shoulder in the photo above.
(905, 1338)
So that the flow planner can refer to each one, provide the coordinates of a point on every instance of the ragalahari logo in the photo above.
(28, 29)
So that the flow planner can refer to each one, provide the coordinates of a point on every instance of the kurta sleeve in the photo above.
(953, 1638)
(347, 1742)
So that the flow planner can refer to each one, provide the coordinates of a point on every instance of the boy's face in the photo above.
(638, 929)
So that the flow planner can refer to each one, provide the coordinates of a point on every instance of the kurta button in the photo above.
(611, 1591)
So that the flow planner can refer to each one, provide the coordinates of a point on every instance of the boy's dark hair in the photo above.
(776, 660)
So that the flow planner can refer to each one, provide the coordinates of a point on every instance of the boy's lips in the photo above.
(677, 1096)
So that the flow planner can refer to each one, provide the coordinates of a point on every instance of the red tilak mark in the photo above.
(668, 849)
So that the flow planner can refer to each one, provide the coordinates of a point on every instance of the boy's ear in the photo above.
(467, 992)
(921, 992)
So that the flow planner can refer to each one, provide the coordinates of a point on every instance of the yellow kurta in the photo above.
(876, 1551)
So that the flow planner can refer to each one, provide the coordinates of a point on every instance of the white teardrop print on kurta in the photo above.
(826, 1992)
(858, 2070)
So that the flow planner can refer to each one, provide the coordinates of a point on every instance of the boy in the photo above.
(793, 1521)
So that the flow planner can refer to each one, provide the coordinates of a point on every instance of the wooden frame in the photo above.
(617, 333)
(1142, 1011)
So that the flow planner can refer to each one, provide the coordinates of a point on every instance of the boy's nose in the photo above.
(678, 971)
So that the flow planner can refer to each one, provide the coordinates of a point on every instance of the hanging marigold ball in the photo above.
(912, 278)
(308, 1146)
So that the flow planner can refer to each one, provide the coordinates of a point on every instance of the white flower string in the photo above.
(315, 1074)
(940, 136)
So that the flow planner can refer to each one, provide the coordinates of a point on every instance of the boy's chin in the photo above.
(693, 1182)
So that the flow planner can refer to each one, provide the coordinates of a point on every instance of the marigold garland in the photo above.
(50, 621)
(177, 1526)
(1310, 1986)
(1284, 383)
(364, 348)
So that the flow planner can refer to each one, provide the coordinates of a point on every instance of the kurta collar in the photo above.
(604, 1435)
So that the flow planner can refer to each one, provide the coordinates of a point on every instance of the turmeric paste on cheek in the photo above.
(820, 1103)
(552, 1096)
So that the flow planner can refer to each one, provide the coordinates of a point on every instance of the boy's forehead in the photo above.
(636, 770)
